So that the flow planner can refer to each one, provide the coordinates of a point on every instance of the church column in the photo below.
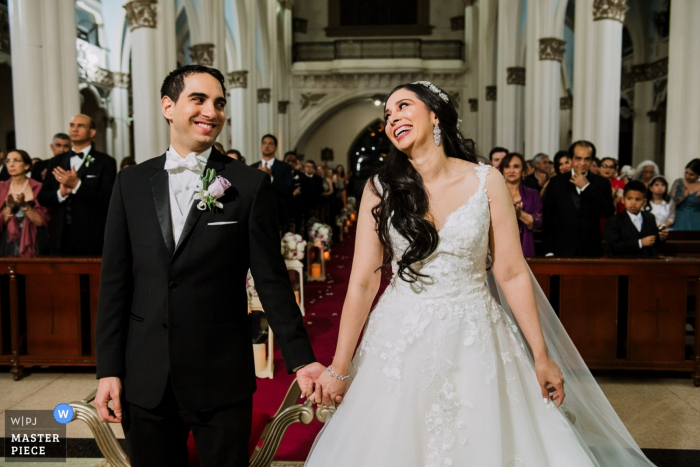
(597, 73)
(239, 112)
(283, 81)
(268, 91)
(470, 102)
(244, 106)
(683, 101)
(44, 71)
(510, 78)
(120, 105)
(487, 89)
(148, 69)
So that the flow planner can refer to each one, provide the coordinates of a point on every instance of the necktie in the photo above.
(175, 162)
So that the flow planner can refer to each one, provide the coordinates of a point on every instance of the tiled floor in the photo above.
(660, 412)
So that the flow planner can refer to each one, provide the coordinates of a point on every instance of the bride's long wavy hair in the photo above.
(403, 200)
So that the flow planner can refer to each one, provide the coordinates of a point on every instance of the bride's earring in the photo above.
(436, 134)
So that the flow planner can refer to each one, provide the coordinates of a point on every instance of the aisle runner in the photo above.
(324, 303)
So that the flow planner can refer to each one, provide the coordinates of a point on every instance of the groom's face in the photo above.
(197, 117)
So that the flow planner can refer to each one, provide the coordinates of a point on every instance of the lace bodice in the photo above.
(459, 261)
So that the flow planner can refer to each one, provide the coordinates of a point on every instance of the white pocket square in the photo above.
(223, 223)
(90, 176)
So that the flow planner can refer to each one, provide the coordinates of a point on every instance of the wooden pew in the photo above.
(57, 299)
(626, 313)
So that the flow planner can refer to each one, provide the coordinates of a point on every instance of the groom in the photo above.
(174, 344)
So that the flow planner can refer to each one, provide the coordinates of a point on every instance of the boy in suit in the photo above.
(634, 231)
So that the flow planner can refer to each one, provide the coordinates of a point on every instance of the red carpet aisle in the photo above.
(324, 303)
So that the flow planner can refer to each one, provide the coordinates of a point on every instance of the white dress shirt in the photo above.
(580, 190)
(76, 162)
(268, 165)
(183, 181)
(637, 221)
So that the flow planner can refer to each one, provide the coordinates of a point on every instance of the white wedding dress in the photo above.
(443, 376)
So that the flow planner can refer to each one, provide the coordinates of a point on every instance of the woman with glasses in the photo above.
(22, 217)
(608, 169)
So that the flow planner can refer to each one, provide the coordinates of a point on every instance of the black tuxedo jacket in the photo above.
(622, 237)
(282, 186)
(571, 223)
(311, 191)
(88, 206)
(181, 311)
(4, 174)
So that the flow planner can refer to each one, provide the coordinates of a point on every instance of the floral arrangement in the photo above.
(250, 285)
(320, 235)
(293, 246)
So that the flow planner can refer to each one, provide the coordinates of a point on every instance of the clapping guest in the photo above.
(77, 191)
(646, 170)
(574, 204)
(541, 174)
(311, 188)
(686, 195)
(21, 215)
(659, 203)
(281, 175)
(633, 232)
(527, 202)
(496, 155)
(59, 145)
(608, 170)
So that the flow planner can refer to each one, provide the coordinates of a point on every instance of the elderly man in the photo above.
(539, 177)
(77, 190)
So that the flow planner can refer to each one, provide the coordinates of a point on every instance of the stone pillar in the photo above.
(150, 64)
(265, 108)
(565, 104)
(44, 71)
(120, 107)
(268, 90)
(487, 89)
(644, 134)
(597, 73)
(683, 101)
(239, 115)
(285, 41)
(469, 107)
(249, 22)
(510, 78)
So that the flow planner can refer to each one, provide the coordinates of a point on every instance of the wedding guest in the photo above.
(290, 158)
(22, 217)
(659, 203)
(128, 161)
(562, 162)
(527, 202)
(541, 174)
(219, 147)
(4, 175)
(686, 195)
(496, 155)
(595, 166)
(633, 232)
(235, 154)
(60, 144)
(574, 204)
(311, 188)
(529, 167)
(281, 175)
(77, 191)
(608, 170)
(328, 185)
(646, 170)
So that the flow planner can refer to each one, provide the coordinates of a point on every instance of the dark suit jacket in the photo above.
(622, 237)
(181, 311)
(571, 224)
(311, 191)
(88, 205)
(4, 174)
(282, 186)
(531, 181)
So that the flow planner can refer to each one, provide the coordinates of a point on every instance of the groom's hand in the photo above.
(109, 388)
(307, 376)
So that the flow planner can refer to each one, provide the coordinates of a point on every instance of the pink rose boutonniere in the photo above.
(216, 186)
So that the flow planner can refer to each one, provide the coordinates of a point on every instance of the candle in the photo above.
(260, 356)
(326, 255)
(316, 270)
(298, 296)
(352, 217)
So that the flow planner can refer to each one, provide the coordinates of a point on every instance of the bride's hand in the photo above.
(329, 390)
(549, 374)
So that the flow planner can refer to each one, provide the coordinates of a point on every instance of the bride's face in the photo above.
(409, 123)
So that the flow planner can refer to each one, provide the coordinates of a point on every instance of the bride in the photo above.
(458, 365)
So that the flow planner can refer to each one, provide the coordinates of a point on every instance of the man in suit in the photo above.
(281, 174)
(311, 188)
(540, 175)
(633, 232)
(173, 338)
(76, 190)
(4, 174)
(573, 206)
(59, 144)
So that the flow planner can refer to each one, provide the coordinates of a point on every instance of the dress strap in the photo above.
(482, 172)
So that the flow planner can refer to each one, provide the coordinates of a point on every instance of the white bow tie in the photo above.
(175, 162)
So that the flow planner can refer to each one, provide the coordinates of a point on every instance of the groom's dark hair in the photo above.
(174, 83)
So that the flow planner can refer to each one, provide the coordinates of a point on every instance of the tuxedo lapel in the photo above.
(161, 198)
(215, 162)
(573, 193)
(83, 168)
(629, 225)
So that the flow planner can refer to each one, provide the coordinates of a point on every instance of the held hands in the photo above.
(551, 381)
(319, 386)
(109, 388)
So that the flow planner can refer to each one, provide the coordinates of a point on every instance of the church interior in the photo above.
(533, 76)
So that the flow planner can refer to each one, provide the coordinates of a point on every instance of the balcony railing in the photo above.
(378, 48)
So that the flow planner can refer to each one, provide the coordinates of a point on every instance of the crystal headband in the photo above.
(433, 88)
